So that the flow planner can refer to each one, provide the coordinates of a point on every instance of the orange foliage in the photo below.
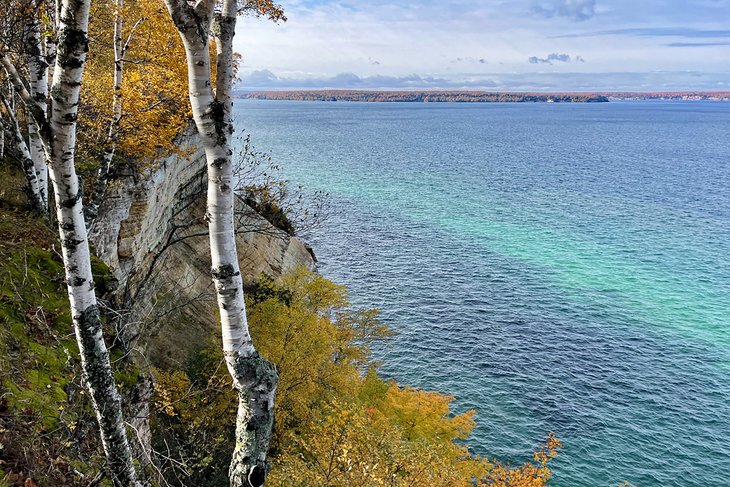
(337, 422)
(264, 8)
(535, 474)
(155, 106)
(154, 87)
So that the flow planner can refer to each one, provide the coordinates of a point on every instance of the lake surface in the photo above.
(557, 267)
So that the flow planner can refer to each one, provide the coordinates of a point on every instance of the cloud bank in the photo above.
(573, 9)
(554, 57)
(265, 79)
(261, 80)
(402, 44)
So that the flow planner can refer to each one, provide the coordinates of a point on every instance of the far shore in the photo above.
(480, 96)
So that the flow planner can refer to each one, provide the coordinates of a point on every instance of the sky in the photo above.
(518, 45)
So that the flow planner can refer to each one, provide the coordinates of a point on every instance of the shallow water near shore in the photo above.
(557, 267)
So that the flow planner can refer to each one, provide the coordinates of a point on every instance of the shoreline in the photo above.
(478, 96)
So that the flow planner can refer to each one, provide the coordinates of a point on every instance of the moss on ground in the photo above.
(47, 428)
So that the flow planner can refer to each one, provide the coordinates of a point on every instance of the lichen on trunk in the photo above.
(99, 380)
(255, 419)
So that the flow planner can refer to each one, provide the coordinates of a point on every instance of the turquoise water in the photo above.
(557, 267)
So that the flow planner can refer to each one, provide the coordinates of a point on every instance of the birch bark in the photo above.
(68, 71)
(36, 200)
(26, 161)
(58, 136)
(38, 77)
(254, 377)
(2, 137)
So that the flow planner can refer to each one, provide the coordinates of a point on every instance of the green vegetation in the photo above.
(47, 430)
(265, 205)
(337, 422)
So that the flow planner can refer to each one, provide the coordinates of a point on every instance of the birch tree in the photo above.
(134, 104)
(20, 36)
(2, 136)
(33, 190)
(254, 377)
(58, 138)
(38, 83)
(120, 48)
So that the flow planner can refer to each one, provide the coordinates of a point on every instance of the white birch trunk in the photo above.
(59, 144)
(2, 135)
(38, 77)
(39, 161)
(107, 157)
(254, 377)
(70, 58)
(26, 163)
(50, 57)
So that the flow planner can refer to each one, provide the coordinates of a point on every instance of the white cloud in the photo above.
(449, 40)
(265, 79)
(562, 58)
(572, 9)
(541, 81)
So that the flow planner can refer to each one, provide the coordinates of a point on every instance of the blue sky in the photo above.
(536, 45)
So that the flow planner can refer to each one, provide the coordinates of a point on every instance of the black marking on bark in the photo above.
(77, 281)
(72, 42)
(226, 271)
(180, 24)
(70, 243)
(69, 61)
(217, 112)
(219, 162)
(33, 49)
(70, 202)
(105, 397)
(256, 476)
(55, 91)
(224, 26)
(203, 26)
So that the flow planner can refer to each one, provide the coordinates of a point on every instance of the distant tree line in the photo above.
(425, 96)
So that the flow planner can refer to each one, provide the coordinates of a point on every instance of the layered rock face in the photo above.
(152, 232)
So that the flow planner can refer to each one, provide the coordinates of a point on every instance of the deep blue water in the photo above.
(557, 267)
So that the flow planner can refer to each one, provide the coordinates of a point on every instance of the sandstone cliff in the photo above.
(152, 233)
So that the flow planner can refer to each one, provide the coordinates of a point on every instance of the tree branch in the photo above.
(34, 108)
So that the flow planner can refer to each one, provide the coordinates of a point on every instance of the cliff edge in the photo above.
(151, 231)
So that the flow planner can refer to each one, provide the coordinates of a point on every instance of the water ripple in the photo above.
(556, 268)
